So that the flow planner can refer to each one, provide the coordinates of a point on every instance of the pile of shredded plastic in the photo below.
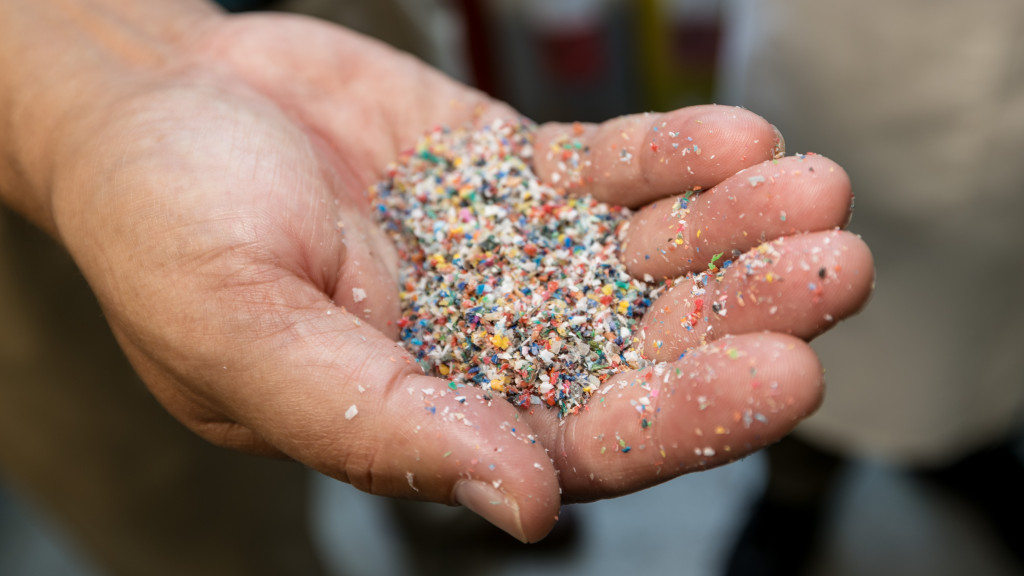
(507, 283)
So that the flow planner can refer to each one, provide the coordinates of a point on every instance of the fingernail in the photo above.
(780, 144)
(492, 505)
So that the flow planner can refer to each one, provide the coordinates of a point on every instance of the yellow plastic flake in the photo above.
(443, 369)
(497, 385)
(607, 289)
(500, 341)
(623, 306)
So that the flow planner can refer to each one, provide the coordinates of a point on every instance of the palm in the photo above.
(235, 299)
(353, 106)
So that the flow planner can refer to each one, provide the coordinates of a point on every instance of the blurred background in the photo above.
(884, 524)
(914, 464)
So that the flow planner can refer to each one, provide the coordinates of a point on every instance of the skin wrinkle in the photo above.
(566, 429)
(334, 446)
(198, 411)
(361, 168)
(305, 266)
(569, 435)
(359, 459)
(694, 221)
(591, 476)
(138, 138)
(648, 158)
(235, 436)
(358, 365)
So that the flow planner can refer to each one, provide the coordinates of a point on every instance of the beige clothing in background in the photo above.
(923, 104)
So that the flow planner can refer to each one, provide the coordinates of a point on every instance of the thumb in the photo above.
(339, 396)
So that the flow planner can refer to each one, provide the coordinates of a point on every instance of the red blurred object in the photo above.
(575, 55)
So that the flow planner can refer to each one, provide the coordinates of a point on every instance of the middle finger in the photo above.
(777, 198)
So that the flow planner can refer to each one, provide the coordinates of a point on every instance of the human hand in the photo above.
(216, 203)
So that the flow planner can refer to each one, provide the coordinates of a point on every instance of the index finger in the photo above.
(632, 160)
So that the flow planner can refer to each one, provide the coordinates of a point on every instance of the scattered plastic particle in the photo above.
(358, 294)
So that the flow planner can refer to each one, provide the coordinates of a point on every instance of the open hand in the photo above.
(218, 208)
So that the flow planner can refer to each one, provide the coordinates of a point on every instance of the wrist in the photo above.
(65, 67)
